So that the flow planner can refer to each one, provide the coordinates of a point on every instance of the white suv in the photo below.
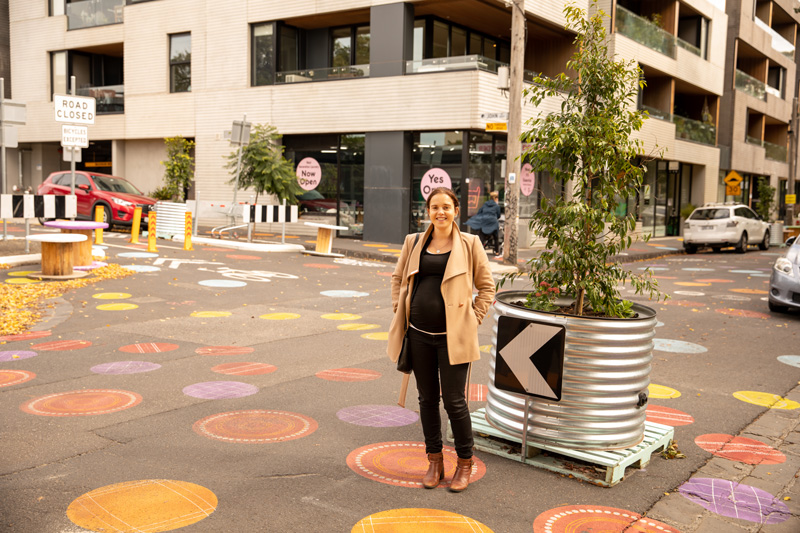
(721, 225)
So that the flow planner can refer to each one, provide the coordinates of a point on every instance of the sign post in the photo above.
(240, 136)
(74, 110)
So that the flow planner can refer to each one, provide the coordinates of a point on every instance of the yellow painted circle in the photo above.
(691, 284)
(378, 336)
(376, 245)
(21, 281)
(765, 399)
(111, 295)
(749, 291)
(357, 327)
(486, 348)
(150, 505)
(340, 316)
(21, 273)
(210, 314)
(390, 250)
(418, 521)
(280, 316)
(660, 391)
(117, 307)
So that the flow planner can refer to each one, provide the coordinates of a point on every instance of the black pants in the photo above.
(430, 363)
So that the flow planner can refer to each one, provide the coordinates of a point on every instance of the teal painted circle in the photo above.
(659, 324)
(222, 283)
(344, 294)
(761, 275)
(675, 346)
(698, 269)
(666, 248)
(745, 271)
(142, 268)
(791, 360)
(100, 246)
(690, 293)
(138, 255)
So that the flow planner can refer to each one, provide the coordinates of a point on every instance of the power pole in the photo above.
(793, 137)
(514, 146)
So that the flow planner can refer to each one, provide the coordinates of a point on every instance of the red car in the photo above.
(118, 196)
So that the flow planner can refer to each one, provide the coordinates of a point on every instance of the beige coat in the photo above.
(467, 266)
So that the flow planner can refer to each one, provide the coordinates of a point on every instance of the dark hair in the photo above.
(441, 190)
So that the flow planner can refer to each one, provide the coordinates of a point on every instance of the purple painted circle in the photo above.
(735, 500)
(125, 367)
(15, 356)
(75, 224)
(220, 390)
(377, 416)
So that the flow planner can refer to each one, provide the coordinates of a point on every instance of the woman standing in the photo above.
(432, 299)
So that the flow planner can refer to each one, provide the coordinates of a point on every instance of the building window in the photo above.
(289, 49)
(350, 46)
(180, 63)
(263, 51)
(58, 73)
(434, 38)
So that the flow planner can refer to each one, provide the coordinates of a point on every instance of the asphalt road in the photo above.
(154, 421)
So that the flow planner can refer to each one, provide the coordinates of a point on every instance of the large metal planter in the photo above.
(604, 391)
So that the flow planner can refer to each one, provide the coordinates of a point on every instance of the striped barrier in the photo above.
(38, 206)
(269, 213)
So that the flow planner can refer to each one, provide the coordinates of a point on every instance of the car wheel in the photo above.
(106, 214)
(777, 308)
(764, 244)
(690, 248)
(716, 249)
(741, 246)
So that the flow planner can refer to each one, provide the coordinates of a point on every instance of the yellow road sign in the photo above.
(496, 126)
(791, 199)
(732, 178)
(733, 190)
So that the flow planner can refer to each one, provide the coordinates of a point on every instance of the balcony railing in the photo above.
(694, 130)
(645, 32)
(91, 13)
(771, 151)
(773, 91)
(779, 43)
(320, 74)
(110, 98)
(443, 64)
(655, 113)
(688, 46)
(748, 84)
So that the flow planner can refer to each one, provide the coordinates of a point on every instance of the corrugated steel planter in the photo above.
(604, 392)
(170, 219)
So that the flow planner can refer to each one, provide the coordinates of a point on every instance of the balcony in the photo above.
(779, 43)
(771, 151)
(322, 74)
(694, 130)
(444, 64)
(655, 113)
(91, 13)
(688, 46)
(748, 84)
(110, 98)
(645, 32)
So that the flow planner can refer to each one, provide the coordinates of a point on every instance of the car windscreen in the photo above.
(104, 183)
(710, 214)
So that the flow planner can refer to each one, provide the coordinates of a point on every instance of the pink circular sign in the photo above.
(527, 180)
(435, 177)
(309, 173)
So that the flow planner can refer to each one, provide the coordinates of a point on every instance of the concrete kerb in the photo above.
(248, 246)
(19, 260)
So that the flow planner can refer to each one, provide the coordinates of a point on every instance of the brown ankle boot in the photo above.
(461, 477)
(435, 471)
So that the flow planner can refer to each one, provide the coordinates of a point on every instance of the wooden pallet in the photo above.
(604, 468)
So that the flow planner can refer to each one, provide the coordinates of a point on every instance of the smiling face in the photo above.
(442, 211)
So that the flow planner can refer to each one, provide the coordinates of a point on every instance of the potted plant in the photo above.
(588, 147)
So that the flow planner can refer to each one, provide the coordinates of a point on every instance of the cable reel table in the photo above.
(57, 255)
(82, 251)
(324, 239)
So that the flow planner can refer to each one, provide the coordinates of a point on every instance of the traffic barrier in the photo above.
(136, 225)
(151, 232)
(38, 206)
(187, 239)
(98, 217)
(269, 213)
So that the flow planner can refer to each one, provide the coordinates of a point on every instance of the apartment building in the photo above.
(382, 95)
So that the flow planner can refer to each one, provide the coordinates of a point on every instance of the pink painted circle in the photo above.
(15, 377)
(348, 374)
(740, 449)
(27, 336)
(573, 518)
(149, 347)
(403, 464)
(216, 249)
(321, 265)
(742, 312)
(224, 350)
(668, 416)
(477, 392)
(308, 173)
(61, 346)
(255, 426)
(243, 257)
(244, 369)
(433, 178)
(82, 403)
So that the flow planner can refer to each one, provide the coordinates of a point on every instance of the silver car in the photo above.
(784, 284)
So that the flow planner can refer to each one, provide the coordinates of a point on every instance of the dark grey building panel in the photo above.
(387, 185)
(391, 39)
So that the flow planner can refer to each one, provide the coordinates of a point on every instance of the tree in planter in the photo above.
(587, 146)
(766, 199)
(179, 170)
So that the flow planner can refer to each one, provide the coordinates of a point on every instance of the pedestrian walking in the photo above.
(486, 221)
(432, 301)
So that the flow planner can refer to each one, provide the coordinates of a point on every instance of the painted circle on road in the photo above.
(745, 271)
(377, 416)
(348, 374)
(486, 348)
(323, 266)
(138, 255)
(344, 294)
(478, 392)
(654, 269)
(21, 273)
(82, 403)
(21, 281)
(125, 367)
(224, 350)
(715, 280)
(691, 284)
(689, 293)
(243, 257)
(340, 316)
(675, 346)
(403, 464)
(222, 283)
(244, 369)
(150, 505)
(14, 355)
(111, 295)
(117, 307)
(390, 250)
(419, 521)
(585, 518)
(149, 347)
(749, 291)
(220, 390)
(61, 346)
(765, 399)
(733, 297)
(684, 303)
(255, 426)
(791, 360)
(211, 314)
(735, 500)
(15, 377)
(740, 449)
(377, 336)
(662, 392)
(698, 269)
(668, 416)
(280, 316)
(141, 268)
(357, 327)
(27, 336)
(742, 312)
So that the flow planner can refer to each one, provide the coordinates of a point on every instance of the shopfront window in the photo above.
(434, 151)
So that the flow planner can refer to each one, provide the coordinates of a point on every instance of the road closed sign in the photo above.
(74, 136)
(74, 109)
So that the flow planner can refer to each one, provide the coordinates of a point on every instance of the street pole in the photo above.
(3, 132)
(72, 149)
(790, 209)
(514, 146)
(240, 142)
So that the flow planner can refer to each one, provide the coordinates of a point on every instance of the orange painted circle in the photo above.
(478, 392)
(150, 505)
(668, 416)
(749, 291)
(60, 346)
(740, 449)
(321, 265)
(243, 257)
(215, 249)
(255, 426)
(82, 403)
(224, 350)
(27, 336)
(691, 284)
(403, 464)
(575, 518)
(149, 347)
(348, 374)
(716, 280)
(244, 369)
(418, 521)
(15, 377)
(742, 312)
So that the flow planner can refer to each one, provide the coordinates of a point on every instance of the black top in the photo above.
(427, 304)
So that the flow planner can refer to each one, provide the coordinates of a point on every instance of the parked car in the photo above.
(784, 284)
(722, 225)
(116, 195)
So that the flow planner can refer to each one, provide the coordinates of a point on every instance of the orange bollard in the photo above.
(187, 239)
(98, 217)
(135, 225)
(151, 232)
